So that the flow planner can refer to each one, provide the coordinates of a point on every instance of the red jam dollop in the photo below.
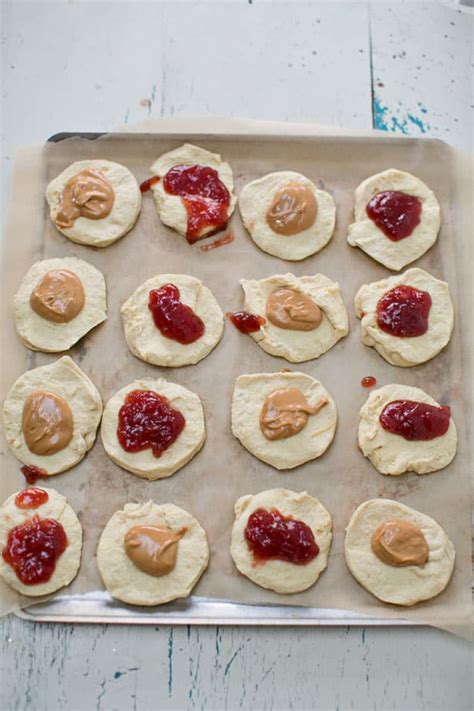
(172, 318)
(204, 196)
(404, 311)
(415, 420)
(147, 421)
(32, 473)
(148, 184)
(33, 549)
(369, 381)
(395, 213)
(270, 536)
(31, 498)
(245, 322)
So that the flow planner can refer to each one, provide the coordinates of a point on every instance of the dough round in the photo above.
(392, 454)
(405, 585)
(406, 352)
(170, 207)
(144, 464)
(254, 201)
(124, 213)
(298, 346)
(38, 333)
(365, 234)
(279, 575)
(145, 340)
(125, 581)
(249, 396)
(68, 562)
(66, 379)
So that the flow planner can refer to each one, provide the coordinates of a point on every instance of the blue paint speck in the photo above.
(418, 122)
(380, 115)
(398, 120)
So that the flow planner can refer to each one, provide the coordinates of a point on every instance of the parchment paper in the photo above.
(209, 485)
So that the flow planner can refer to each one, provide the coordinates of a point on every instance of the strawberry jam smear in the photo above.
(172, 318)
(147, 421)
(415, 421)
(246, 322)
(33, 549)
(395, 213)
(272, 536)
(31, 498)
(204, 196)
(404, 312)
(32, 473)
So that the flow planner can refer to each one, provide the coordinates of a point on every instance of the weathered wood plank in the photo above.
(422, 70)
(50, 667)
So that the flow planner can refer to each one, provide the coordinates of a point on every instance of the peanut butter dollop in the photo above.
(47, 423)
(152, 549)
(399, 543)
(293, 209)
(58, 297)
(292, 310)
(285, 412)
(86, 194)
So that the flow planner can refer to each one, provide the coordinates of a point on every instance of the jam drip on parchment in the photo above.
(147, 421)
(245, 322)
(33, 549)
(272, 536)
(32, 473)
(148, 184)
(395, 213)
(404, 312)
(204, 196)
(172, 318)
(415, 421)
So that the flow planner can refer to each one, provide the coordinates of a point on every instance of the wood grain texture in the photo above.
(119, 668)
(319, 61)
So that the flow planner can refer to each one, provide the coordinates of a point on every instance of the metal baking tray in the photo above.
(99, 607)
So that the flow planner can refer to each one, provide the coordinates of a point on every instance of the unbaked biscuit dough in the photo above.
(170, 207)
(279, 575)
(124, 213)
(39, 333)
(66, 379)
(144, 464)
(250, 392)
(405, 585)
(144, 338)
(397, 350)
(68, 562)
(254, 201)
(391, 453)
(365, 234)
(125, 581)
(298, 346)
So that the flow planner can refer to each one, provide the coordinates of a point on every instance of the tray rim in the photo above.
(293, 616)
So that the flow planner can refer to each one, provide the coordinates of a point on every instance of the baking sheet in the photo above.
(223, 470)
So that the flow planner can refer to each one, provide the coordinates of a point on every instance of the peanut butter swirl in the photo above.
(292, 310)
(292, 210)
(285, 412)
(399, 543)
(86, 194)
(58, 297)
(47, 423)
(153, 549)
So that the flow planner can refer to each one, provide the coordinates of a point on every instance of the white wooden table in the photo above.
(85, 65)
